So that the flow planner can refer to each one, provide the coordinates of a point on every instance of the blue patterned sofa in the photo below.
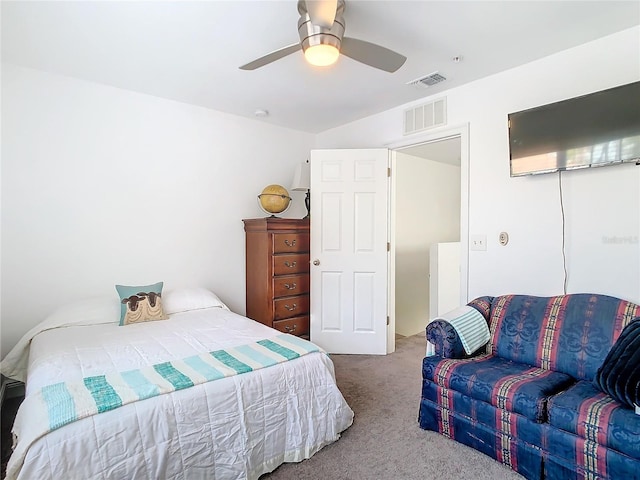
(529, 399)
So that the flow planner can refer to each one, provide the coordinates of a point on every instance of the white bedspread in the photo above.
(233, 428)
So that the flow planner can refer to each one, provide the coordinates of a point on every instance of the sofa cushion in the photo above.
(571, 334)
(507, 424)
(507, 385)
(593, 415)
(619, 375)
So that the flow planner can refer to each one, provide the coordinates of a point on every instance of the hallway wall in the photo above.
(427, 211)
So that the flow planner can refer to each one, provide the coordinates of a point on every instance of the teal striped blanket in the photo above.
(62, 403)
(470, 326)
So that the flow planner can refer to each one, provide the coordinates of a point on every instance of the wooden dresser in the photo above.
(277, 270)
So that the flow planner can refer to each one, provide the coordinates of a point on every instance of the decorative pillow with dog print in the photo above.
(140, 304)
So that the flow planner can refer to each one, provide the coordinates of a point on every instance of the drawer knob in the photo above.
(290, 265)
(289, 329)
(291, 243)
(290, 286)
(291, 308)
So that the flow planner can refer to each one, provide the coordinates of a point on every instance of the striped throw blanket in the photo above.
(66, 402)
(470, 326)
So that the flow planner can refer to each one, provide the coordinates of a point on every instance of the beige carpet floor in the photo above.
(385, 441)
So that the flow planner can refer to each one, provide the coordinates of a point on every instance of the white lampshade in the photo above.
(302, 177)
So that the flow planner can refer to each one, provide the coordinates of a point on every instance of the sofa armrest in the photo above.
(444, 337)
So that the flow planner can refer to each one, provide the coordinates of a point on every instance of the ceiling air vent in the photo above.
(425, 116)
(428, 80)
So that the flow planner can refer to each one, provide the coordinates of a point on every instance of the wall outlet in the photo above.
(478, 242)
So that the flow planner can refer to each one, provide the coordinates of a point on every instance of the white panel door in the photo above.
(349, 232)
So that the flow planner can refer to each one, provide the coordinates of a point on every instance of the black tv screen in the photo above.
(601, 128)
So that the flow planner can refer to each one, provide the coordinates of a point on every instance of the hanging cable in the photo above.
(564, 255)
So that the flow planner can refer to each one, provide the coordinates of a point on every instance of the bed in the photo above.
(236, 426)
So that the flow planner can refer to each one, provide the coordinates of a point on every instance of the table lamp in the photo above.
(302, 181)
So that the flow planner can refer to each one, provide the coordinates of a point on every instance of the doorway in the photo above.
(429, 206)
(331, 170)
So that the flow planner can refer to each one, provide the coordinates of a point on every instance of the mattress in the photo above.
(238, 427)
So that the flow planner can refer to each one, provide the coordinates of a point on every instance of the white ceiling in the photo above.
(191, 51)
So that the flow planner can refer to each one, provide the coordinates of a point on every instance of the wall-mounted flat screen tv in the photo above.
(601, 128)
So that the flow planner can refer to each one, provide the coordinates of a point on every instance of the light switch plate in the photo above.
(478, 242)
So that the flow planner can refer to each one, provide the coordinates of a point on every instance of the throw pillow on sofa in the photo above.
(619, 375)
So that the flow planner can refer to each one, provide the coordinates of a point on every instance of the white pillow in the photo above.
(86, 311)
(89, 311)
(186, 299)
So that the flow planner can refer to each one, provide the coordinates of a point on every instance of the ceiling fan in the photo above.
(321, 28)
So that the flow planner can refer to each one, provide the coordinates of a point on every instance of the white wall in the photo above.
(427, 210)
(444, 278)
(599, 204)
(103, 186)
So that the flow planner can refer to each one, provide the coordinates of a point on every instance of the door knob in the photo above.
(316, 262)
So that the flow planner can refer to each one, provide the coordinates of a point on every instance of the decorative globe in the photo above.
(274, 199)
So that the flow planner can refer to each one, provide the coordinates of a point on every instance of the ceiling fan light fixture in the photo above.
(322, 55)
(322, 40)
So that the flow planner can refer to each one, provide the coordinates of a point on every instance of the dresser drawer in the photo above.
(290, 307)
(290, 242)
(288, 285)
(295, 326)
(287, 264)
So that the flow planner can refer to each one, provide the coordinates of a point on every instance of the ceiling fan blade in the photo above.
(372, 54)
(271, 57)
(322, 12)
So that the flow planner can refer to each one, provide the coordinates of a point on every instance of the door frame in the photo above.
(461, 131)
